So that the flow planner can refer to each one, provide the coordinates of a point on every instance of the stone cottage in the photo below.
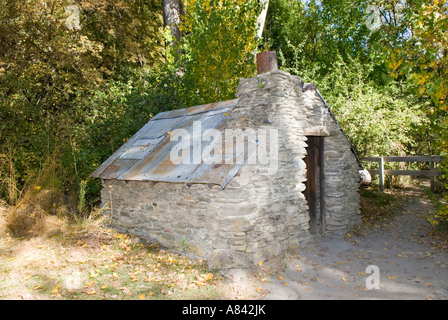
(237, 182)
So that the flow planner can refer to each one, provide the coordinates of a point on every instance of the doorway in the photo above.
(315, 183)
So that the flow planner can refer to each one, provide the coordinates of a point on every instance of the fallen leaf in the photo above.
(91, 292)
(93, 274)
(90, 283)
(55, 290)
(142, 297)
(260, 263)
(391, 277)
(280, 278)
(198, 283)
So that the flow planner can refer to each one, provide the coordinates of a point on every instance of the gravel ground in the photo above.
(412, 264)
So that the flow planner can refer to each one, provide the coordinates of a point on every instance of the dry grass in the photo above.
(85, 260)
(31, 216)
(3, 213)
(45, 255)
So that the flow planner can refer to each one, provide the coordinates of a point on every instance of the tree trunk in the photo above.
(172, 11)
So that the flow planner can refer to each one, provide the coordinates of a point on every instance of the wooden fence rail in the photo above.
(432, 172)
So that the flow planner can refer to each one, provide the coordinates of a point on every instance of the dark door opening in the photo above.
(315, 186)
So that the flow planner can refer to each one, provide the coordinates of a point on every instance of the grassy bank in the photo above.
(85, 260)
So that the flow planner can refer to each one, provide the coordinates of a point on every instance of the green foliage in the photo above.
(414, 48)
(378, 121)
(310, 36)
(328, 43)
(53, 82)
(438, 220)
(129, 32)
(382, 199)
(217, 49)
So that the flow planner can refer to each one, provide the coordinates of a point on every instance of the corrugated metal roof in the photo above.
(147, 155)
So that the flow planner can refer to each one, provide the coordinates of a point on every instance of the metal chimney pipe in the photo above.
(266, 62)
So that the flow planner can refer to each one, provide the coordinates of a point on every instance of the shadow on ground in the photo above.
(411, 264)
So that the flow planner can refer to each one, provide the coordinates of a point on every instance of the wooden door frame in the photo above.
(315, 163)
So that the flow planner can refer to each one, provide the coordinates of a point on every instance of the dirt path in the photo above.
(410, 265)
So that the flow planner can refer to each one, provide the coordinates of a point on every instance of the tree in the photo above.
(416, 51)
(50, 69)
(128, 30)
(414, 46)
(311, 35)
(329, 43)
(218, 48)
(172, 12)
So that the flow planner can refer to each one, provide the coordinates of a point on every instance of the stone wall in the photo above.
(342, 200)
(262, 212)
(342, 179)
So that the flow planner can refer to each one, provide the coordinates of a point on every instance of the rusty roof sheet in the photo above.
(147, 155)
